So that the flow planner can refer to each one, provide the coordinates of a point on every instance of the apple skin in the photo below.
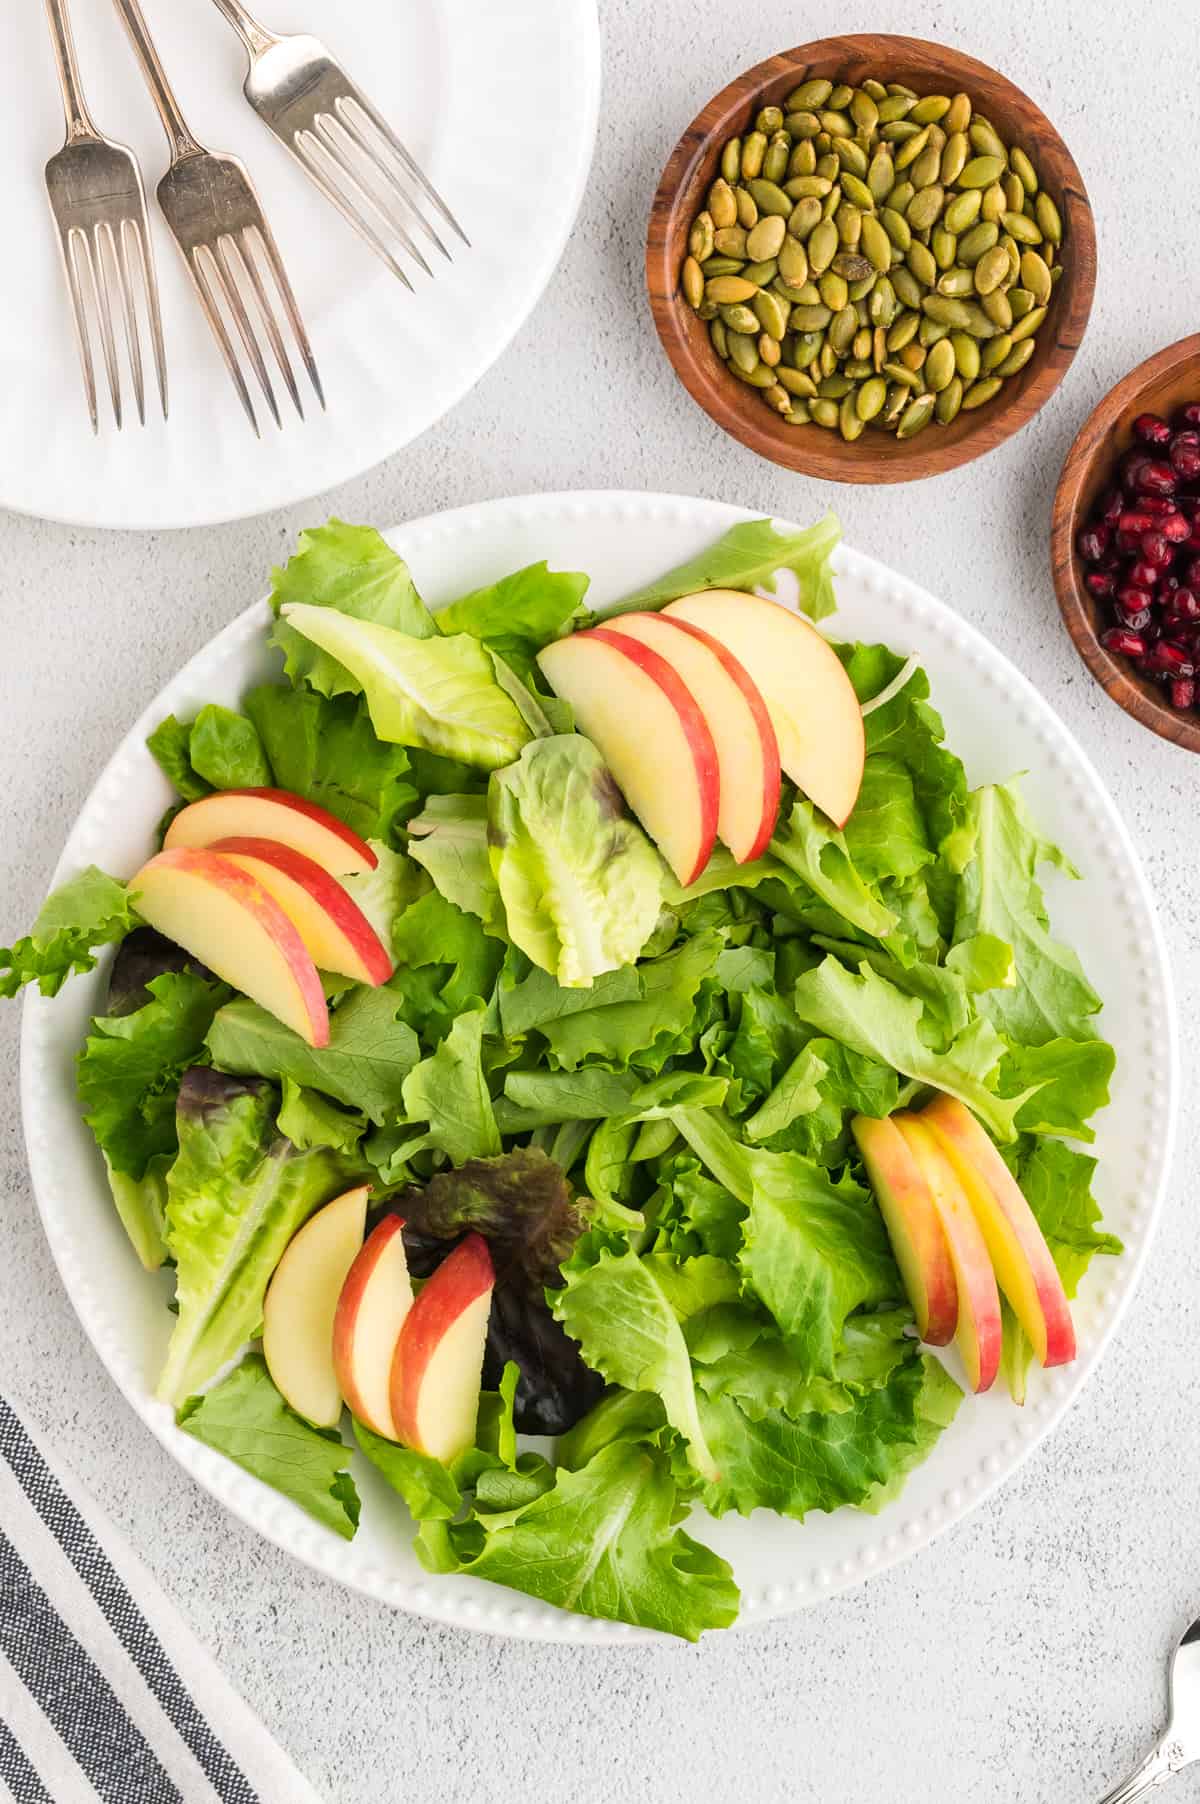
(217, 912)
(372, 1307)
(337, 933)
(651, 734)
(272, 814)
(979, 1333)
(438, 1363)
(737, 717)
(1023, 1262)
(914, 1227)
(300, 1304)
(815, 712)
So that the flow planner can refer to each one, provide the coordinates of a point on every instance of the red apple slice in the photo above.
(371, 1311)
(651, 734)
(272, 814)
(301, 1302)
(747, 754)
(979, 1330)
(812, 703)
(333, 927)
(218, 913)
(914, 1227)
(439, 1356)
(1023, 1263)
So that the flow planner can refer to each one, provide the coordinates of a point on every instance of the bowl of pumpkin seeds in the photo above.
(871, 258)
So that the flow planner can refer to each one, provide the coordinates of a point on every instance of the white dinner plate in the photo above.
(497, 103)
(997, 722)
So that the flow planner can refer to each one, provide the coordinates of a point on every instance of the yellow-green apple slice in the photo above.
(978, 1334)
(301, 1302)
(747, 753)
(371, 1311)
(1023, 1262)
(331, 924)
(218, 912)
(272, 814)
(914, 1227)
(650, 732)
(438, 1365)
(815, 712)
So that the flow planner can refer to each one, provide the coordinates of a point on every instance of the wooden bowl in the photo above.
(1160, 385)
(876, 456)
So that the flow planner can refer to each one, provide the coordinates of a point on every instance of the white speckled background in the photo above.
(1022, 1655)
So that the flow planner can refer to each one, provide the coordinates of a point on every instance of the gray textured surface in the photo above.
(1022, 1655)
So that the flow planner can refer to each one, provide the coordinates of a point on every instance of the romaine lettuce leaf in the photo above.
(449, 838)
(245, 1418)
(580, 882)
(326, 751)
(235, 1196)
(885, 835)
(141, 1205)
(750, 556)
(370, 1053)
(450, 1092)
(352, 569)
(438, 693)
(83, 914)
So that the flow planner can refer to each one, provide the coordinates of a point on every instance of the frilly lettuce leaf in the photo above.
(326, 751)
(519, 614)
(352, 569)
(170, 746)
(439, 693)
(750, 556)
(819, 854)
(370, 1053)
(432, 931)
(87, 912)
(450, 1092)
(643, 1031)
(580, 882)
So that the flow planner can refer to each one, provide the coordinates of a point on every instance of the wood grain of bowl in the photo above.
(877, 456)
(1160, 385)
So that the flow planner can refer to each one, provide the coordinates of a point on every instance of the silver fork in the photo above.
(344, 145)
(227, 245)
(1179, 1744)
(99, 208)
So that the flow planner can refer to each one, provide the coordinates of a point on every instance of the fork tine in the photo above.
(133, 339)
(94, 250)
(208, 301)
(388, 179)
(135, 229)
(270, 250)
(307, 146)
(229, 263)
(340, 143)
(250, 241)
(79, 317)
(397, 149)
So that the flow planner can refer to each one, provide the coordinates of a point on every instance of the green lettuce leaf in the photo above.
(450, 1092)
(141, 1206)
(432, 931)
(1071, 1079)
(327, 752)
(819, 855)
(937, 1406)
(885, 835)
(449, 839)
(245, 1418)
(226, 751)
(170, 745)
(438, 693)
(235, 1196)
(370, 1053)
(352, 569)
(519, 614)
(538, 999)
(426, 1486)
(87, 912)
(580, 882)
(873, 1017)
(642, 1032)
(749, 556)
(309, 1119)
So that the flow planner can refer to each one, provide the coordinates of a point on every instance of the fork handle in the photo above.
(1154, 1771)
(254, 36)
(79, 120)
(174, 124)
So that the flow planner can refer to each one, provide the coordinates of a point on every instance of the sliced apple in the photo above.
(301, 1302)
(978, 1334)
(218, 912)
(815, 712)
(737, 717)
(371, 1311)
(1023, 1263)
(333, 927)
(914, 1227)
(272, 814)
(651, 734)
(438, 1363)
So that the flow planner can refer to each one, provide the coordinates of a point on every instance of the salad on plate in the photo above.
(583, 1066)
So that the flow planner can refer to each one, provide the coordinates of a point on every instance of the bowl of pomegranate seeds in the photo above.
(1126, 543)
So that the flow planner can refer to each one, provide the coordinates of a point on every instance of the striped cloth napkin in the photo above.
(105, 1694)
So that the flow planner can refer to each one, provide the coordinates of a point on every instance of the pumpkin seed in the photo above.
(857, 368)
(849, 423)
(701, 238)
(1026, 327)
(931, 331)
(769, 120)
(1024, 168)
(930, 109)
(731, 242)
(822, 246)
(977, 172)
(802, 124)
(995, 352)
(843, 329)
(1035, 276)
(743, 349)
(761, 274)
(806, 348)
(795, 381)
(812, 93)
(900, 196)
(949, 401)
(905, 283)
(861, 345)
(921, 261)
(793, 261)
(959, 116)
(722, 206)
(810, 317)
(944, 246)
(834, 388)
(963, 210)
(870, 398)
(808, 187)
(948, 310)
(692, 282)
(911, 149)
(859, 290)
(957, 282)
(905, 377)
(852, 266)
(827, 362)
(1017, 358)
(966, 355)
(881, 175)
(979, 392)
(754, 149)
(857, 191)
(994, 205)
(824, 413)
(927, 168)
(804, 216)
(903, 331)
(985, 141)
(769, 349)
(999, 311)
(978, 323)
(897, 229)
(897, 400)
(917, 415)
(893, 108)
(707, 310)
(836, 123)
(874, 88)
(912, 356)
(775, 163)
(803, 160)
(1025, 231)
(851, 156)
(940, 366)
(953, 159)
(877, 239)
(719, 335)
(881, 303)
(772, 313)
(924, 207)
(1020, 302)
(1014, 192)
(766, 238)
(981, 238)
(834, 289)
(991, 269)
(731, 160)
(769, 196)
(747, 211)
(722, 266)
(1048, 217)
(759, 377)
(726, 290)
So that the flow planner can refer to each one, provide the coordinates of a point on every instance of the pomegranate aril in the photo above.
(1183, 693)
(1185, 604)
(1133, 520)
(1156, 505)
(1129, 542)
(1101, 583)
(1132, 598)
(1126, 644)
(1151, 429)
(1109, 506)
(1175, 527)
(1169, 659)
(1144, 575)
(1093, 542)
(1185, 455)
(1190, 415)
(1157, 478)
(1156, 550)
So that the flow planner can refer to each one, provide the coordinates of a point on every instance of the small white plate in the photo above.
(498, 104)
(995, 720)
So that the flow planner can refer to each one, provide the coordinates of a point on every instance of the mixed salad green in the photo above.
(639, 1093)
